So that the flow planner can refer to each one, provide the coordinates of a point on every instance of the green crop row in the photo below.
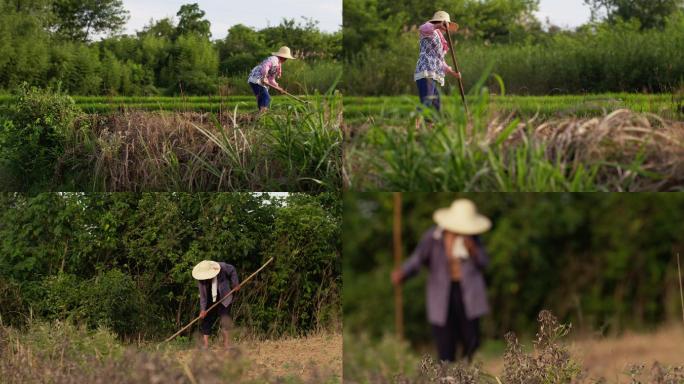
(104, 104)
(361, 108)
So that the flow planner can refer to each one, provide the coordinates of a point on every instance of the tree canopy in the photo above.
(77, 46)
(650, 13)
(191, 21)
(78, 20)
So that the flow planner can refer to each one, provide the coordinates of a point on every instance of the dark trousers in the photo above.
(219, 312)
(458, 332)
(429, 94)
(261, 93)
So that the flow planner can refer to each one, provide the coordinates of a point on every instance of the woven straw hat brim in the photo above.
(206, 270)
(284, 52)
(461, 222)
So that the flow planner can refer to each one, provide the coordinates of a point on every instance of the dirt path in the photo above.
(610, 358)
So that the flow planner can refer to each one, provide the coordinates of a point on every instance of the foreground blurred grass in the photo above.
(547, 358)
(61, 352)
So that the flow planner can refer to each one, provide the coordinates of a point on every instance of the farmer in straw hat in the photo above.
(456, 291)
(265, 75)
(215, 280)
(431, 67)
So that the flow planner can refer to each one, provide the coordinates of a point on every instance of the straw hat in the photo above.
(441, 16)
(284, 52)
(205, 270)
(462, 218)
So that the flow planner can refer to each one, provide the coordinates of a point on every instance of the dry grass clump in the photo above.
(145, 150)
(657, 374)
(297, 148)
(549, 363)
(620, 151)
(641, 151)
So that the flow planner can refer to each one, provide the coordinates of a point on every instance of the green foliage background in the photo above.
(170, 57)
(604, 262)
(612, 55)
(123, 260)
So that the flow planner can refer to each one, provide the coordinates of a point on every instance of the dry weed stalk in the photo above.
(142, 150)
(623, 139)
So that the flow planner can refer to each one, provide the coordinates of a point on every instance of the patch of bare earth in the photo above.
(311, 359)
(611, 358)
(314, 359)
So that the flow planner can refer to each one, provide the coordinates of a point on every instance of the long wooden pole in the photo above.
(681, 291)
(220, 301)
(398, 302)
(292, 96)
(460, 81)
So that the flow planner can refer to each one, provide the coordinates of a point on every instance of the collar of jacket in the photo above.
(437, 234)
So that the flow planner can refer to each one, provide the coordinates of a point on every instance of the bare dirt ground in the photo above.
(311, 359)
(611, 357)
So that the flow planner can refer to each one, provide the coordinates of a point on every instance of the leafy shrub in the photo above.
(111, 300)
(13, 311)
(34, 134)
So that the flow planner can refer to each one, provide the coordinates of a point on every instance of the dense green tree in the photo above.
(193, 66)
(77, 20)
(191, 21)
(44, 43)
(242, 48)
(163, 28)
(650, 13)
(376, 23)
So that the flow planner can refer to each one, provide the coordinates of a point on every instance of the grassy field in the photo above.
(216, 104)
(358, 110)
(63, 353)
(611, 142)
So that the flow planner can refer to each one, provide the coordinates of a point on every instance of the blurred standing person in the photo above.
(456, 290)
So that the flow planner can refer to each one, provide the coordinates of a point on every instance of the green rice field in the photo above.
(105, 104)
(360, 109)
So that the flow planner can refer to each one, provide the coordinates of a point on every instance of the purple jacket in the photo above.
(224, 285)
(430, 253)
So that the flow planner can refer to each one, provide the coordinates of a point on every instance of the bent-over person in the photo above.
(266, 74)
(215, 280)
